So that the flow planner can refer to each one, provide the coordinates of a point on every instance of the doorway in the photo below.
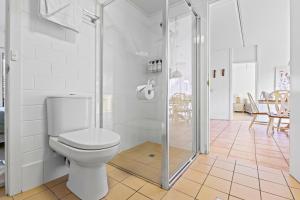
(243, 81)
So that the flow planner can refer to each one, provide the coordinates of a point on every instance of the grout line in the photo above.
(234, 141)
(232, 180)
(280, 149)
(259, 186)
(288, 184)
(206, 178)
(228, 124)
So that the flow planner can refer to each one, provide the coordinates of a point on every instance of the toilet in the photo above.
(88, 149)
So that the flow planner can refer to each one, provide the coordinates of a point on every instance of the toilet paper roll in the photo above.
(147, 93)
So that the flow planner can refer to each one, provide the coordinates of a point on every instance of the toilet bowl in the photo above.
(87, 149)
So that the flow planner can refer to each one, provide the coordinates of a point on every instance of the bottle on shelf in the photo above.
(159, 66)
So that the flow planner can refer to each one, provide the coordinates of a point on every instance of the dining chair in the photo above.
(255, 112)
(278, 108)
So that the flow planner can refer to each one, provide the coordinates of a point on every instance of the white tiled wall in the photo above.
(54, 61)
(2, 22)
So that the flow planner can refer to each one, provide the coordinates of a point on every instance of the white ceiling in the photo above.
(263, 21)
(150, 7)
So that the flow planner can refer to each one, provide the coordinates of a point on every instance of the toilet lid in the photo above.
(90, 139)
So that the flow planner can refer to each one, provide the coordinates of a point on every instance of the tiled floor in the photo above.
(233, 140)
(145, 160)
(242, 164)
(206, 179)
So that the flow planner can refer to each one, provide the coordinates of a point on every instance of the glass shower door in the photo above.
(181, 86)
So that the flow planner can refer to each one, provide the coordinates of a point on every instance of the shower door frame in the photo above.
(166, 180)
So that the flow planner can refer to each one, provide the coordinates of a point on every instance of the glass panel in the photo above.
(132, 83)
(181, 76)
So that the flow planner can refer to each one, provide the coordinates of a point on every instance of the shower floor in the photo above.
(145, 160)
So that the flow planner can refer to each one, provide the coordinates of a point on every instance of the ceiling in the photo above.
(254, 23)
(151, 7)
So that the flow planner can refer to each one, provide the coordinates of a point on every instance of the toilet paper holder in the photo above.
(146, 92)
(150, 82)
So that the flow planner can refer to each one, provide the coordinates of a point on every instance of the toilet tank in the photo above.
(68, 113)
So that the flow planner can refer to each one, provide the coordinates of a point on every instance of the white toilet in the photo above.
(87, 148)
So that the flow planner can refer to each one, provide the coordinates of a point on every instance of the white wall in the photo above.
(295, 90)
(53, 61)
(2, 40)
(265, 24)
(2, 22)
(220, 86)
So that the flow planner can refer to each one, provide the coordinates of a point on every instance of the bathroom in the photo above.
(109, 99)
(116, 58)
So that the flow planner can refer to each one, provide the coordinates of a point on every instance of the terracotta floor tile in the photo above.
(207, 193)
(57, 181)
(6, 198)
(246, 181)
(119, 192)
(70, 197)
(45, 195)
(60, 190)
(118, 175)
(246, 171)
(205, 160)
(292, 182)
(194, 175)
(268, 196)
(296, 193)
(246, 163)
(138, 196)
(134, 182)
(221, 173)
(152, 191)
(244, 192)
(276, 178)
(268, 169)
(276, 189)
(224, 165)
(233, 198)
(188, 187)
(30, 193)
(204, 168)
(176, 195)
(218, 184)
(111, 182)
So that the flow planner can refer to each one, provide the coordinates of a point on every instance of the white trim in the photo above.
(13, 98)
(295, 94)
(204, 146)
(230, 86)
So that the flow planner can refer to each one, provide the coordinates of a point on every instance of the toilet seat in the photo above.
(90, 139)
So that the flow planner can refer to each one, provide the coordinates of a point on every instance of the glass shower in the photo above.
(148, 85)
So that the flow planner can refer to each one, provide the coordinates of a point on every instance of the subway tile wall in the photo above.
(54, 61)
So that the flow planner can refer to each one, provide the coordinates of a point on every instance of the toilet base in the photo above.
(88, 182)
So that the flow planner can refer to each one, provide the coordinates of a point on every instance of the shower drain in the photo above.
(151, 155)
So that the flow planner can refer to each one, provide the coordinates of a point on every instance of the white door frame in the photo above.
(295, 86)
(13, 99)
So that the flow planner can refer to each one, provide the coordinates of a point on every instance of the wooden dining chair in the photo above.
(255, 112)
(278, 108)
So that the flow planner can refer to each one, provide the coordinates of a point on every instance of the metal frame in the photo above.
(166, 180)
(195, 105)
